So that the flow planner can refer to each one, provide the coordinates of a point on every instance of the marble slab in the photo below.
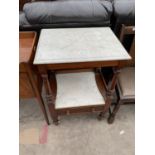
(77, 89)
(68, 45)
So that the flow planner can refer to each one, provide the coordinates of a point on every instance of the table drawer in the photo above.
(25, 87)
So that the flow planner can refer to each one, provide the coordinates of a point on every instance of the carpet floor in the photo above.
(76, 134)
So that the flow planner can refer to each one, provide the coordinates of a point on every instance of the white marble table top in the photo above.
(77, 90)
(68, 45)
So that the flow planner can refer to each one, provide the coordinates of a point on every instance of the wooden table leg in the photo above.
(109, 88)
(37, 93)
(111, 117)
(50, 95)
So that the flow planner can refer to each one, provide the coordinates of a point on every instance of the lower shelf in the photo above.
(77, 90)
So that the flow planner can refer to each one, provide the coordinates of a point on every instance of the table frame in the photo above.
(47, 73)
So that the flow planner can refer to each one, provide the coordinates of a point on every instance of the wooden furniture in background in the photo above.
(125, 87)
(28, 81)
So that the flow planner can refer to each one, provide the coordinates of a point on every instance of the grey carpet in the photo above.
(80, 134)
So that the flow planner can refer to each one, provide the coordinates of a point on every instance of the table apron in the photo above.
(80, 65)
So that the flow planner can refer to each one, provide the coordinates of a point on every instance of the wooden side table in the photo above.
(29, 85)
(63, 55)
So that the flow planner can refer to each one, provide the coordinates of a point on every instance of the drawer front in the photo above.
(25, 87)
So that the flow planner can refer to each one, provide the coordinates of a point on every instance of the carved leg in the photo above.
(37, 93)
(109, 89)
(100, 116)
(102, 86)
(53, 114)
(115, 110)
(107, 106)
(50, 97)
(39, 97)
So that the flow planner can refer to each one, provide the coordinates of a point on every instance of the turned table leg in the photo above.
(50, 98)
(115, 110)
(37, 93)
(109, 89)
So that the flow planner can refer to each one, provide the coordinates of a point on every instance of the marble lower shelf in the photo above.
(77, 90)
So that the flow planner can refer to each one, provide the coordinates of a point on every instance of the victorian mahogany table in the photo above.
(28, 80)
(70, 60)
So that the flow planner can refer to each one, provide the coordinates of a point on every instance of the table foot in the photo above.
(56, 122)
(111, 119)
(100, 116)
